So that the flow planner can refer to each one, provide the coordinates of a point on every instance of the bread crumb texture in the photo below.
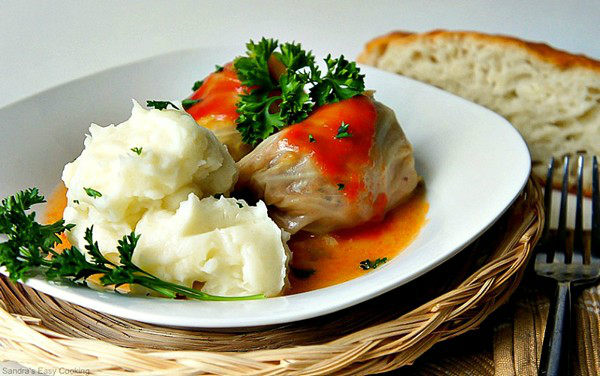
(552, 97)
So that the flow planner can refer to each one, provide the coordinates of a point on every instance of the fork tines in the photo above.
(559, 251)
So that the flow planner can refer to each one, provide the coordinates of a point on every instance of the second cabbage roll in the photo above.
(346, 164)
(216, 109)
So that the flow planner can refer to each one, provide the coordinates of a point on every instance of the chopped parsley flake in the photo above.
(218, 68)
(137, 150)
(311, 138)
(197, 85)
(368, 264)
(341, 186)
(161, 105)
(92, 192)
(343, 131)
(187, 103)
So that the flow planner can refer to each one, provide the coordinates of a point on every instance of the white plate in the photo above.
(474, 164)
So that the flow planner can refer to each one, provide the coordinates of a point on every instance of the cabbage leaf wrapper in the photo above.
(304, 195)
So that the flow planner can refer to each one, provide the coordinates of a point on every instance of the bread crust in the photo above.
(562, 59)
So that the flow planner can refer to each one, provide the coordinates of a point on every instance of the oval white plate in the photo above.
(473, 161)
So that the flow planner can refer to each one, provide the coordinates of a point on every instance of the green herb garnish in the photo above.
(219, 68)
(273, 104)
(187, 103)
(343, 131)
(368, 264)
(92, 192)
(341, 186)
(342, 81)
(160, 105)
(137, 150)
(197, 85)
(28, 250)
(311, 138)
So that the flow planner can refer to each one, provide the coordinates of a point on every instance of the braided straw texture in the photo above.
(380, 335)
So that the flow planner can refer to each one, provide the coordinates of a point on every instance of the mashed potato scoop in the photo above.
(229, 247)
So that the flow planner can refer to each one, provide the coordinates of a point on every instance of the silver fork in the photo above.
(569, 267)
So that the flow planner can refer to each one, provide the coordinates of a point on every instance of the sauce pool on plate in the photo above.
(325, 260)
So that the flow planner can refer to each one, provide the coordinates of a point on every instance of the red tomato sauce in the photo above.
(218, 96)
(341, 159)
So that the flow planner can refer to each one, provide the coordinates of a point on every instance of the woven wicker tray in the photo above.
(380, 335)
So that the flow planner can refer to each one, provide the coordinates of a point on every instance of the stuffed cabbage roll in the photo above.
(346, 164)
(216, 110)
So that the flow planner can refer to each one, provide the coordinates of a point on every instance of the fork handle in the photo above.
(555, 350)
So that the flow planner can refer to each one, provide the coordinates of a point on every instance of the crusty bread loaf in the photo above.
(552, 97)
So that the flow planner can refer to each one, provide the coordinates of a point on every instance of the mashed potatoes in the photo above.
(233, 248)
(149, 174)
(150, 162)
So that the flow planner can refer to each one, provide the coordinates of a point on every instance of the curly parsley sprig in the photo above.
(272, 104)
(28, 250)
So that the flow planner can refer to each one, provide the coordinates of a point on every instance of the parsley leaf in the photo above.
(28, 250)
(218, 68)
(341, 186)
(92, 192)
(256, 122)
(161, 105)
(187, 103)
(253, 70)
(368, 264)
(197, 85)
(343, 131)
(295, 105)
(294, 57)
(342, 81)
(311, 138)
(137, 150)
